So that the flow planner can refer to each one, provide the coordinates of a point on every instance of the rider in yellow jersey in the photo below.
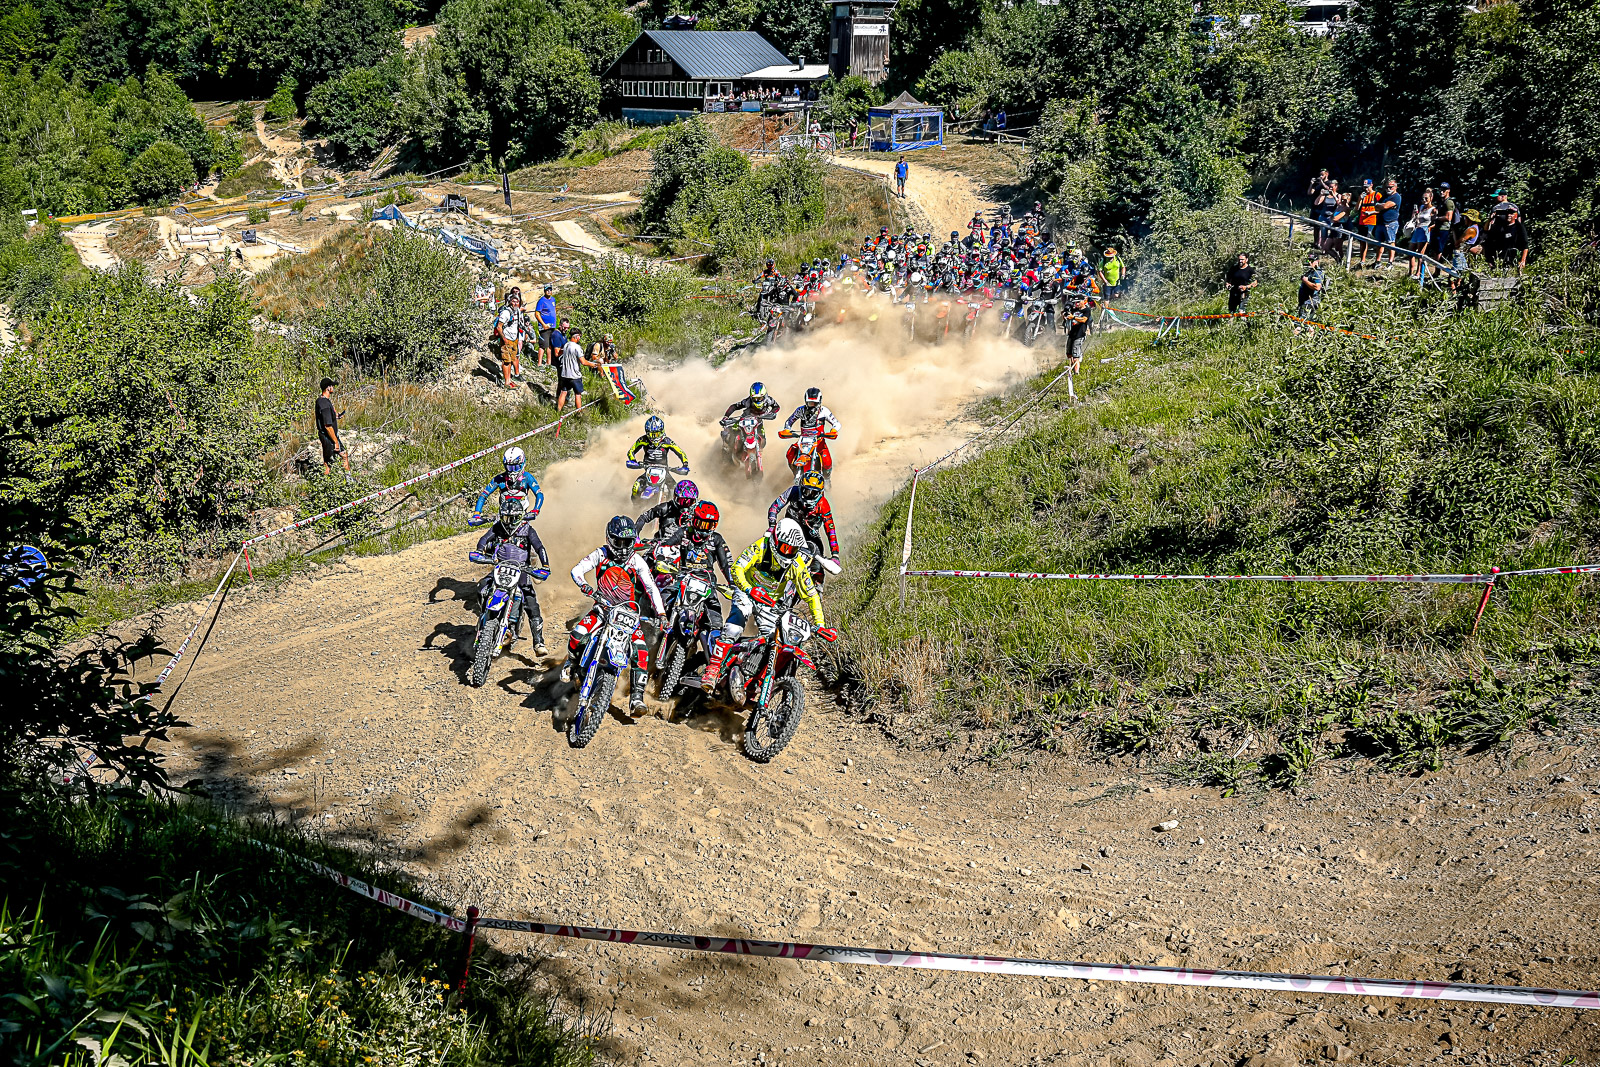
(772, 563)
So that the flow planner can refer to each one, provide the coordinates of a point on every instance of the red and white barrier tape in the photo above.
(1340, 985)
(1442, 579)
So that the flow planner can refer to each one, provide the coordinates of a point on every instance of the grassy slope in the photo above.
(1459, 444)
(138, 924)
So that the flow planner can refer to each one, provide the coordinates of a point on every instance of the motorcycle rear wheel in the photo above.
(772, 727)
(589, 716)
(483, 651)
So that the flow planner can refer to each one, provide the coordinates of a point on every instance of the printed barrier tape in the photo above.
(1341, 985)
(1443, 579)
(161, 678)
(1183, 318)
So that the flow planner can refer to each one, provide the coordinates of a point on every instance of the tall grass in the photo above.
(162, 932)
(1453, 445)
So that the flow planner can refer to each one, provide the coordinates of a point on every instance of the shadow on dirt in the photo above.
(464, 591)
(455, 640)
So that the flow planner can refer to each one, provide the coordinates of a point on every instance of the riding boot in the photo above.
(713, 672)
(636, 686)
(535, 623)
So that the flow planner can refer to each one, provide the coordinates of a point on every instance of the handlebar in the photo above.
(633, 465)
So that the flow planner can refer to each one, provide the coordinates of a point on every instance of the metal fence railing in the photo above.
(1441, 269)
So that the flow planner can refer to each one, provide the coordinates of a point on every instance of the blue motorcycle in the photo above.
(501, 614)
(605, 653)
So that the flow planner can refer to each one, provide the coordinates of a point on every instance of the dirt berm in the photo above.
(339, 697)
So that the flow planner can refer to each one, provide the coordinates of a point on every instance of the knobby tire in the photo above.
(779, 720)
(483, 651)
(587, 722)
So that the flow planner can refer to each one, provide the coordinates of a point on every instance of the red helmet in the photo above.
(706, 517)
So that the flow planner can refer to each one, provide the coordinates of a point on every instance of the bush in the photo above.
(161, 172)
(257, 215)
(244, 116)
(282, 108)
(405, 312)
(356, 113)
(618, 292)
(149, 416)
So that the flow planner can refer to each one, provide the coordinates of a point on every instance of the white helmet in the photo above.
(788, 539)
(514, 460)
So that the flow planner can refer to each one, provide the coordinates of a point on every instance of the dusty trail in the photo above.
(90, 242)
(339, 697)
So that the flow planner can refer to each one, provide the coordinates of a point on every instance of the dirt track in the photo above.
(340, 697)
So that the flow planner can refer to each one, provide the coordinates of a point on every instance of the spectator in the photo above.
(1333, 242)
(1241, 279)
(1447, 249)
(1421, 228)
(1318, 188)
(328, 429)
(1367, 215)
(603, 351)
(482, 291)
(1324, 207)
(1502, 204)
(901, 168)
(569, 372)
(1000, 120)
(1512, 243)
(1111, 274)
(545, 312)
(1077, 331)
(1469, 242)
(558, 337)
(511, 326)
(1312, 284)
(855, 130)
(1389, 218)
(1447, 205)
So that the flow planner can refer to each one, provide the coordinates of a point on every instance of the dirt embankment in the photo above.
(339, 697)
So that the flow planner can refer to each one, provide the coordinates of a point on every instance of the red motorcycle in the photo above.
(746, 450)
(761, 672)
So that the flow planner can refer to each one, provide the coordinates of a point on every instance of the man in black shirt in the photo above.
(328, 429)
(1241, 279)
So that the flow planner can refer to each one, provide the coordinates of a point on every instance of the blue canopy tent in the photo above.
(904, 124)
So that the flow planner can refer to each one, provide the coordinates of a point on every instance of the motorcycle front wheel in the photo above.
(483, 651)
(589, 716)
(773, 726)
(669, 681)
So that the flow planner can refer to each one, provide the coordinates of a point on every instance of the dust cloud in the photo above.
(899, 403)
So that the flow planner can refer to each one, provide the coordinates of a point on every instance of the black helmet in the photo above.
(512, 510)
(620, 535)
(813, 397)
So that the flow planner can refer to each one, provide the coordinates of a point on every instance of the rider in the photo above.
(811, 415)
(516, 477)
(618, 551)
(703, 547)
(772, 564)
(758, 403)
(671, 516)
(805, 503)
(657, 447)
(512, 539)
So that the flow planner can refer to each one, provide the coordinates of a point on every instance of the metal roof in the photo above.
(788, 72)
(717, 53)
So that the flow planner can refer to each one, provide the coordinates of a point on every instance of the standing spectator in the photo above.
(1111, 274)
(901, 168)
(1077, 331)
(1447, 249)
(1389, 218)
(1502, 204)
(1318, 188)
(603, 351)
(1421, 229)
(1512, 243)
(1447, 205)
(1367, 216)
(1241, 279)
(328, 429)
(511, 325)
(558, 337)
(545, 312)
(569, 372)
(1312, 284)
(1324, 208)
(1469, 242)
(1333, 243)
(1000, 121)
(855, 130)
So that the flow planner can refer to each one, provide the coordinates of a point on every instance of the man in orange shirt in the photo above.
(1367, 214)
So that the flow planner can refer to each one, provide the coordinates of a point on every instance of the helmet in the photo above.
(654, 428)
(757, 391)
(788, 539)
(706, 517)
(811, 487)
(813, 397)
(514, 460)
(620, 535)
(770, 264)
(512, 509)
(686, 493)
(954, 235)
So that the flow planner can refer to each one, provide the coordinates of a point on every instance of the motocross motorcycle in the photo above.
(761, 674)
(777, 322)
(806, 455)
(746, 452)
(983, 299)
(1010, 311)
(605, 654)
(501, 608)
(686, 635)
(1034, 319)
(655, 479)
(941, 322)
(908, 325)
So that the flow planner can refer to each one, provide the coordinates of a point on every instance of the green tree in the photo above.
(843, 99)
(1400, 57)
(356, 112)
(160, 173)
(281, 107)
(675, 158)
